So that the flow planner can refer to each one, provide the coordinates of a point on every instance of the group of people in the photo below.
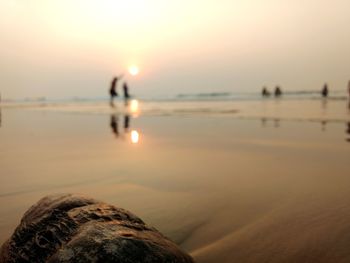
(113, 89)
(278, 92)
(266, 93)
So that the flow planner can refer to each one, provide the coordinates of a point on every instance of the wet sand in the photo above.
(229, 182)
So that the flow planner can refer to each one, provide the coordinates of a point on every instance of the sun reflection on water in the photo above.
(135, 137)
(134, 106)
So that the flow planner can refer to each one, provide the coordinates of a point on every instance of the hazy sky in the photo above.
(68, 48)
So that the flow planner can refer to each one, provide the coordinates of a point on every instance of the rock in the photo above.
(70, 228)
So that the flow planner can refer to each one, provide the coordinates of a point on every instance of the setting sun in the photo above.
(134, 70)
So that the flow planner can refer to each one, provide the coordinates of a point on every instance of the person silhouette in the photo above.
(114, 124)
(325, 91)
(265, 92)
(126, 91)
(278, 92)
(113, 89)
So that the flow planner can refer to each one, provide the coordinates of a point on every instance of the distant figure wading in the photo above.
(278, 92)
(325, 91)
(265, 92)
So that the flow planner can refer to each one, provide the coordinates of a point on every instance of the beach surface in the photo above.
(229, 181)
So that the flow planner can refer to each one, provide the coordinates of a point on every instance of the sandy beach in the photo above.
(229, 181)
(222, 126)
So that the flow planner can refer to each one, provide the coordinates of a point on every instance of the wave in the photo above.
(244, 96)
(201, 95)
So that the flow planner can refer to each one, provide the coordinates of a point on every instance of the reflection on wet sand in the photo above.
(114, 124)
(132, 106)
(324, 102)
(126, 123)
(134, 135)
(276, 122)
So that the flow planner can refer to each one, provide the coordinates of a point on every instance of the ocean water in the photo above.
(245, 180)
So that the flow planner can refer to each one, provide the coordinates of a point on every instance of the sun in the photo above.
(134, 70)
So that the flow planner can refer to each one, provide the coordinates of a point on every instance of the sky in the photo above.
(73, 48)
